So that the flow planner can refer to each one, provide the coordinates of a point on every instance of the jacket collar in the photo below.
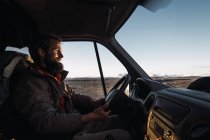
(41, 71)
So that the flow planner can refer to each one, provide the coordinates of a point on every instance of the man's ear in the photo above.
(41, 52)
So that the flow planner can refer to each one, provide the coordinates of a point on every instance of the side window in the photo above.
(112, 68)
(84, 76)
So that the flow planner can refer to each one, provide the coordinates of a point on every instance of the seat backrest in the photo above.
(10, 62)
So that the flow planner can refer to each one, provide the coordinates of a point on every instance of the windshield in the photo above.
(172, 43)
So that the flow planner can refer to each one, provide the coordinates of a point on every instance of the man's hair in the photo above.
(43, 42)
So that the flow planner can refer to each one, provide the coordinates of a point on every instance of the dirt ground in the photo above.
(93, 86)
(179, 82)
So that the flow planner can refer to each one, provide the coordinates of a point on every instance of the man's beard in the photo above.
(53, 66)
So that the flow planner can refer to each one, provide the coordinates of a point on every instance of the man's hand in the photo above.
(99, 102)
(99, 113)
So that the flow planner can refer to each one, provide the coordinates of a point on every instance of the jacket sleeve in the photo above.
(32, 99)
(83, 103)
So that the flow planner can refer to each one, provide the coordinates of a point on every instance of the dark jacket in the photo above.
(46, 105)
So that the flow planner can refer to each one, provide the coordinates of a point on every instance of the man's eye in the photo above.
(57, 51)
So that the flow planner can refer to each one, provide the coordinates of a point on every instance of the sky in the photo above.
(172, 41)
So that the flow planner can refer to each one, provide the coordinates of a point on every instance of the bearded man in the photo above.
(50, 108)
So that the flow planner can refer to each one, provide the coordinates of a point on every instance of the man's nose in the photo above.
(60, 54)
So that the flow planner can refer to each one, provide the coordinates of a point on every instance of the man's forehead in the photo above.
(55, 42)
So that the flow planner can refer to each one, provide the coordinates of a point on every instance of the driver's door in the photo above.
(84, 76)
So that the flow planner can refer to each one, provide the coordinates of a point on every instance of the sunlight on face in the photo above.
(55, 50)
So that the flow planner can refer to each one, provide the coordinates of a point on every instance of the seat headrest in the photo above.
(11, 61)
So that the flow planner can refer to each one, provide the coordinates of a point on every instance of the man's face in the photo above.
(53, 57)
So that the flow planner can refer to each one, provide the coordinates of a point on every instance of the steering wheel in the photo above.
(118, 88)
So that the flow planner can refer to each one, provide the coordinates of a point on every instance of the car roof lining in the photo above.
(65, 18)
(96, 19)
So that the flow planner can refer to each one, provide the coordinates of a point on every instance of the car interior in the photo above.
(157, 111)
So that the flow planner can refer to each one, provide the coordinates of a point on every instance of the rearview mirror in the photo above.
(154, 5)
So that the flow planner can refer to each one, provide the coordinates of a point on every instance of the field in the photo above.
(93, 86)
(180, 82)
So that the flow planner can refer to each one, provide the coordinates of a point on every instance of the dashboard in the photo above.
(174, 113)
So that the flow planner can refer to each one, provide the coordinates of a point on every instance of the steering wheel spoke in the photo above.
(118, 88)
